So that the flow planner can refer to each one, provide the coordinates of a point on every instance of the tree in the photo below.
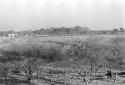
(115, 31)
(87, 54)
(32, 68)
(121, 29)
(92, 55)
(29, 60)
(68, 30)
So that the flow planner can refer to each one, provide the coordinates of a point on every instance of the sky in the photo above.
(35, 14)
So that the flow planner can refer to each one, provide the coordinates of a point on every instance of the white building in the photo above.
(12, 36)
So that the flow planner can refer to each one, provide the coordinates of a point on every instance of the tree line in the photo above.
(76, 30)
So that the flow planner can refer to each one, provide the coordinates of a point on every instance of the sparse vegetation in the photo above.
(92, 55)
(59, 61)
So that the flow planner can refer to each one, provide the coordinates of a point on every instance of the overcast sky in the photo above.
(35, 14)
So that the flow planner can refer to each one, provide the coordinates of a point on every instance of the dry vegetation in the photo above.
(63, 60)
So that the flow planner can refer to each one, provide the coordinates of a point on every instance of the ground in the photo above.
(62, 42)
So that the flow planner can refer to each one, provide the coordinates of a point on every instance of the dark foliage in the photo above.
(17, 52)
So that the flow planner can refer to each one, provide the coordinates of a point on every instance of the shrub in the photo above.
(32, 68)
(29, 50)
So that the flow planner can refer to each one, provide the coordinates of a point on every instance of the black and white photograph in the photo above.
(62, 42)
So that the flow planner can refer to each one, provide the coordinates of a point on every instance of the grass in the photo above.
(55, 47)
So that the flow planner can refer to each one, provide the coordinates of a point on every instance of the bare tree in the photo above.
(90, 54)
(32, 68)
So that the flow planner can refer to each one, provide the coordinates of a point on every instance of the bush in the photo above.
(29, 50)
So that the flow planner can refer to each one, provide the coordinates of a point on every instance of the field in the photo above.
(61, 71)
